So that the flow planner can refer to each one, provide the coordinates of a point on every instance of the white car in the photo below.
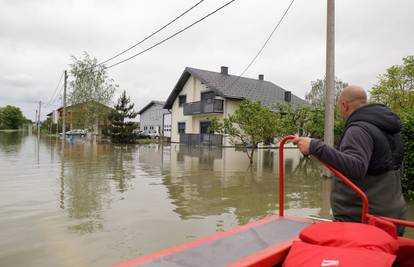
(79, 132)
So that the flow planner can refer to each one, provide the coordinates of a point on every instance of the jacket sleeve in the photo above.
(354, 154)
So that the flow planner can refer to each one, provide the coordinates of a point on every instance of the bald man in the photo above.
(370, 153)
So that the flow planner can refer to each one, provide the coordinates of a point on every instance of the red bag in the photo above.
(384, 225)
(349, 235)
(405, 253)
(303, 254)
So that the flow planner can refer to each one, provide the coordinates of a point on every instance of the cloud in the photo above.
(37, 39)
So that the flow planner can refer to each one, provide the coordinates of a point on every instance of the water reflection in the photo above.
(92, 204)
(205, 181)
(11, 142)
(87, 171)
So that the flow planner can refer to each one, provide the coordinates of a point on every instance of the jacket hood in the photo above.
(379, 115)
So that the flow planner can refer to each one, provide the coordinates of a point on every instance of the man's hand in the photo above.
(303, 144)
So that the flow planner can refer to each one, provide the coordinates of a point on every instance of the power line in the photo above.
(55, 92)
(57, 96)
(171, 36)
(263, 46)
(152, 34)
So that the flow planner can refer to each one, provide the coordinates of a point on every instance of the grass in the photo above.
(12, 130)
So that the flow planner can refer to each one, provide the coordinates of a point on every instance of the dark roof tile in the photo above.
(231, 86)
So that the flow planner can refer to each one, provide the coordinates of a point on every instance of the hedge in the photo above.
(407, 120)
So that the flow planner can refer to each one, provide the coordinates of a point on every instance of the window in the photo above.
(145, 128)
(182, 99)
(181, 127)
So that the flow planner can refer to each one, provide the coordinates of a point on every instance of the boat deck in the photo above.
(249, 244)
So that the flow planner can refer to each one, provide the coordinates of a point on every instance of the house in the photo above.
(200, 95)
(155, 119)
(75, 116)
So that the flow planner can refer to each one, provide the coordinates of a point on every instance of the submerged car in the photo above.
(78, 132)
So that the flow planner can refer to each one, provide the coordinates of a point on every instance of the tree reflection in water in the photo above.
(87, 171)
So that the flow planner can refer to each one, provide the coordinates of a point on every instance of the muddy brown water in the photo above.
(96, 204)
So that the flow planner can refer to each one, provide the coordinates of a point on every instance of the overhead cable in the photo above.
(263, 46)
(171, 36)
(152, 34)
(56, 90)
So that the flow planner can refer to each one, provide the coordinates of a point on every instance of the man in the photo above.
(369, 153)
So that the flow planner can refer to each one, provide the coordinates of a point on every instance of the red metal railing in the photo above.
(364, 217)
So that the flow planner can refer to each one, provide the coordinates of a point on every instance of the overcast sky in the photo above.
(37, 39)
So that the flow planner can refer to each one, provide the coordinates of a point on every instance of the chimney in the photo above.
(261, 77)
(288, 96)
(224, 70)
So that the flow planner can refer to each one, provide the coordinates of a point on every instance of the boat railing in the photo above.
(365, 215)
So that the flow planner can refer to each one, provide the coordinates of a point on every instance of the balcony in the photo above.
(194, 108)
(201, 139)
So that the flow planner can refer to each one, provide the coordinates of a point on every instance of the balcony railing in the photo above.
(202, 139)
(193, 108)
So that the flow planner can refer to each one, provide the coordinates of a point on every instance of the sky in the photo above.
(38, 39)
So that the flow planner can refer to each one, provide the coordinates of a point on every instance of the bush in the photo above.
(407, 119)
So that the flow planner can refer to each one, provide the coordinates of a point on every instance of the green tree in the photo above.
(407, 119)
(395, 88)
(294, 119)
(251, 124)
(316, 95)
(122, 131)
(92, 88)
(11, 117)
(315, 124)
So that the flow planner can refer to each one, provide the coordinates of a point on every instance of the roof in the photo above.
(235, 87)
(79, 104)
(153, 102)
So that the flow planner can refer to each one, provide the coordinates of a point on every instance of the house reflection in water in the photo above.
(205, 181)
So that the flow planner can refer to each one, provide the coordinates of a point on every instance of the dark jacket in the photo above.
(370, 154)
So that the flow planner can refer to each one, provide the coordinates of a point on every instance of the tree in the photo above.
(92, 88)
(250, 124)
(395, 88)
(122, 131)
(11, 117)
(294, 119)
(314, 126)
(316, 95)
(407, 119)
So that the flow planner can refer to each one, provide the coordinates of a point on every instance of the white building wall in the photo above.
(230, 107)
(193, 89)
(151, 119)
(167, 125)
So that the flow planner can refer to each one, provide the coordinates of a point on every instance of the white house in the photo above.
(152, 118)
(200, 95)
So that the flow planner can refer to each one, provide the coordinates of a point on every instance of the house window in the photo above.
(145, 128)
(181, 127)
(182, 99)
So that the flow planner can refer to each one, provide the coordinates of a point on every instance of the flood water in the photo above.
(96, 204)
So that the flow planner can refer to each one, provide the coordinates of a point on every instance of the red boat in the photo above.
(267, 242)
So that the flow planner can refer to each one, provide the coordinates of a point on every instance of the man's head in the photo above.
(351, 98)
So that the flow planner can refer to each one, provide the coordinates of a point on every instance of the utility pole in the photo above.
(328, 134)
(330, 74)
(57, 122)
(64, 110)
(38, 119)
